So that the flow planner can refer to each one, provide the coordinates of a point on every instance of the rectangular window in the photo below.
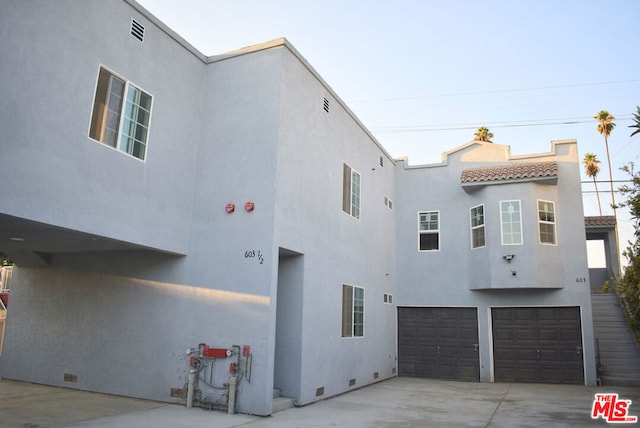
(388, 203)
(352, 311)
(429, 230)
(477, 227)
(121, 115)
(547, 222)
(350, 191)
(511, 222)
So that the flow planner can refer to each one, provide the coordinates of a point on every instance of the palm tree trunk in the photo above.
(597, 195)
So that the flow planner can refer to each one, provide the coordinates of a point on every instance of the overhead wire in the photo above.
(509, 124)
(495, 91)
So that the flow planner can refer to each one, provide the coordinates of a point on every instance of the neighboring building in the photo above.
(156, 200)
(491, 259)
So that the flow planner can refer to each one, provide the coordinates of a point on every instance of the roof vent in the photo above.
(326, 105)
(137, 30)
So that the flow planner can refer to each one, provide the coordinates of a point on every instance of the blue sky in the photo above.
(424, 75)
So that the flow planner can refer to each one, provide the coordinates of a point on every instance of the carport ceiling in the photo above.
(17, 235)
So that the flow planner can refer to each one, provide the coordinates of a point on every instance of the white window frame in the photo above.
(482, 226)
(546, 222)
(350, 326)
(351, 191)
(429, 231)
(502, 222)
(98, 121)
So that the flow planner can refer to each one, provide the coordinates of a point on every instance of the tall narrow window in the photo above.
(511, 222)
(429, 230)
(351, 191)
(547, 222)
(121, 115)
(352, 311)
(477, 227)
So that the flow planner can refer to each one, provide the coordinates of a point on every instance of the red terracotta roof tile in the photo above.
(605, 220)
(510, 172)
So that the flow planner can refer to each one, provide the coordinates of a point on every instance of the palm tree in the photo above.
(605, 126)
(483, 134)
(592, 169)
(636, 119)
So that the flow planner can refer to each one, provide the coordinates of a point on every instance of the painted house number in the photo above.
(257, 254)
(581, 279)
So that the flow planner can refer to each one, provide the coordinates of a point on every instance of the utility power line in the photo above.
(511, 124)
(495, 91)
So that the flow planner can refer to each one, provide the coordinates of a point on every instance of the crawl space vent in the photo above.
(137, 30)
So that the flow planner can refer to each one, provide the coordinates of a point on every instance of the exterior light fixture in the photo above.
(509, 257)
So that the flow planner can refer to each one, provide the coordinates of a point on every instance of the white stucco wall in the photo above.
(248, 126)
(456, 275)
(338, 249)
(51, 56)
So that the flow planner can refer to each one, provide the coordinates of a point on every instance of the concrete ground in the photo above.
(399, 402)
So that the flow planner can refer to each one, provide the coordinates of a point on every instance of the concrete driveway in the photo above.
(399, 402)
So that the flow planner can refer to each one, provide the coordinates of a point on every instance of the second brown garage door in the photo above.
(538, 344)
(439, 343)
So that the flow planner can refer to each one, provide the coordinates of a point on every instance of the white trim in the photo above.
(555, 223)
(127, 84)
(353, 336)
(427, 231)
(484, 226)
(521, 225)
(350, 213)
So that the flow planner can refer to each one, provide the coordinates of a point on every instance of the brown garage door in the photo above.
(541, 345)
(439, 343)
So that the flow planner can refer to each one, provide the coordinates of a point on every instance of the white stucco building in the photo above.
(156, 200)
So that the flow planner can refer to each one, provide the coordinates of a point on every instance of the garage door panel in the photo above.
(445, 346)
(503, 333)
(469, 333)
(523, 334)
(538, 345)
(546, 314)
(523, 315)
(548, 334)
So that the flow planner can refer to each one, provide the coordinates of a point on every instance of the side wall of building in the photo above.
(120, 322)
(318, 136)
(48, 94)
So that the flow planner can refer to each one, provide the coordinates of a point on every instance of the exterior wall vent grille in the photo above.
(137, 30)
(326, 105)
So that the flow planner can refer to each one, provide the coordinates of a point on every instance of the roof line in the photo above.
(280, 42)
